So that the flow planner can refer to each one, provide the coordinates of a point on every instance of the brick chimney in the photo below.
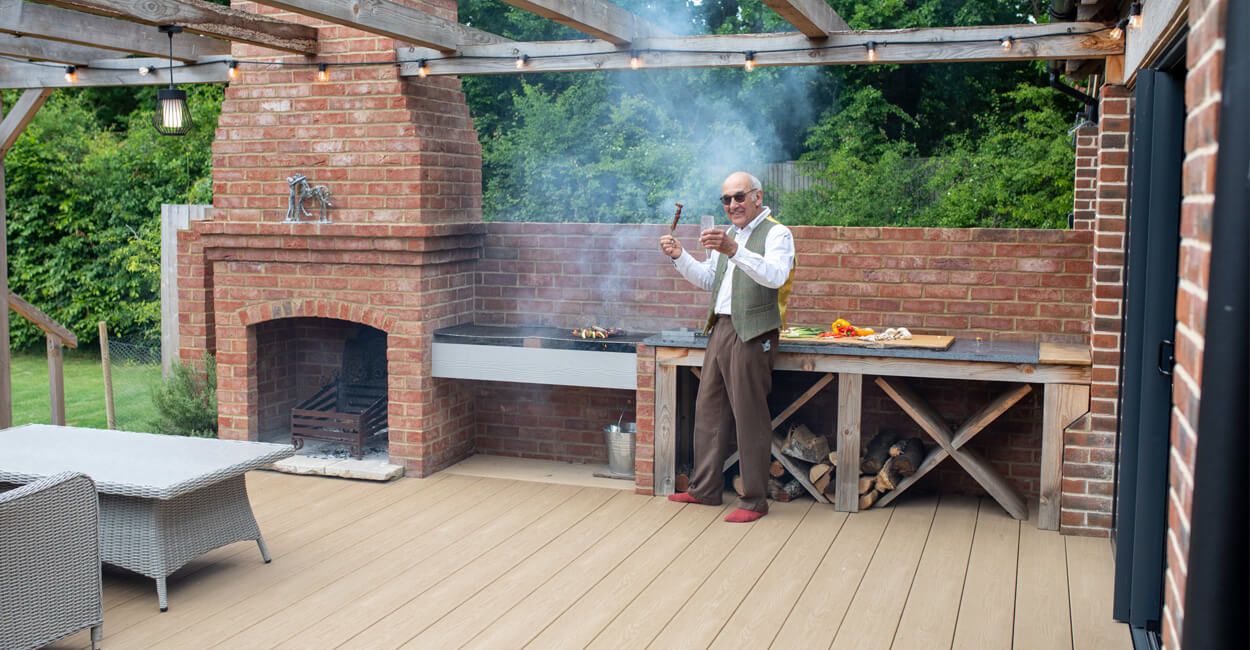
(274, 300)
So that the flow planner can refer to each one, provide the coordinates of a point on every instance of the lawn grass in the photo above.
(84, 391)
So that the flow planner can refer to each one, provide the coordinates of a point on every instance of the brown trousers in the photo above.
(733, 400)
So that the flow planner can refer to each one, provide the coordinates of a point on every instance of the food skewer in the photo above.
(676, 218)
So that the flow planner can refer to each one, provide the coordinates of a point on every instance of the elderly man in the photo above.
(748, 270)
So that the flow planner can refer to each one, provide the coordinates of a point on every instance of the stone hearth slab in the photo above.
(367, 470)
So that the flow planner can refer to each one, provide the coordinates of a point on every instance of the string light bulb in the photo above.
(71, 74)
(145, 70)
(323, 72)
(1117, 32)
(232, 70)
(1134, 15)
(1007, 43)
(749, 64)
(423, 68)
(871, 46)
(635, 61)
(522, 61)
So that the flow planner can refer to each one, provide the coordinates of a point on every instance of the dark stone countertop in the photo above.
(960, 350)
(552, 338)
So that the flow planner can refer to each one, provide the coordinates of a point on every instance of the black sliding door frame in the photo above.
(1149, 323)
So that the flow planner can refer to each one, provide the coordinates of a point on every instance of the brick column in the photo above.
(1086, 191)
(1202, 103)
(1089, 449)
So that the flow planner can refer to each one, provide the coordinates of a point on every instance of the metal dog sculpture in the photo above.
(301, 190)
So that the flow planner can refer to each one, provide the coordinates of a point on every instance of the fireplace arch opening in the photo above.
(322, 384)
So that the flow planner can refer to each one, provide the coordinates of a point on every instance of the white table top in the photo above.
(126, 463)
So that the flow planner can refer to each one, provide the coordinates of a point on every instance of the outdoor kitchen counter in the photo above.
(1062, 372)
(536, 355)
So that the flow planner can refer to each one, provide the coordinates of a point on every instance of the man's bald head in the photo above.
(743, 177)
(746, 198)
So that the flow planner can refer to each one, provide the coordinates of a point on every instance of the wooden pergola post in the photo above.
(11, 127)
(6, 366)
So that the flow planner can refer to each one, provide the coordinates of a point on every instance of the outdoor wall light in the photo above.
(1117, 32)
(172, 116)
(71, 74)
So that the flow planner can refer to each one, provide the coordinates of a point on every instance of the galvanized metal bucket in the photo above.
(619, 439)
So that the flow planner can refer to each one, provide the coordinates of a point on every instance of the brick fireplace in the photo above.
(403, 164)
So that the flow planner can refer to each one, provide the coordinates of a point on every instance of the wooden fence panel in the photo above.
(174, 217)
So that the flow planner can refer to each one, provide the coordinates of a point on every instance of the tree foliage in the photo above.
(942, 144)
(85, 183)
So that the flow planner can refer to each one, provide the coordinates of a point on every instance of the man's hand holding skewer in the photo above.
(668, 243)
(670, 246)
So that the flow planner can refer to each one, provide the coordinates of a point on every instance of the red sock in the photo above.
(683, 497)
(743, 516)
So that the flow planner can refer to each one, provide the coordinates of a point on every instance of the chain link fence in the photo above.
(122, 352)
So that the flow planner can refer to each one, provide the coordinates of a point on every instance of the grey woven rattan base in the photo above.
(155, 537)
(49, 562)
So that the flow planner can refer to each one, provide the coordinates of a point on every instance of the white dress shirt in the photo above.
(771, 269)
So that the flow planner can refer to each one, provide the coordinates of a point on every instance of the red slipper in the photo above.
(743, 516)
(684, 497)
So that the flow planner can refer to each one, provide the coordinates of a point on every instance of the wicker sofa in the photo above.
(49, 561)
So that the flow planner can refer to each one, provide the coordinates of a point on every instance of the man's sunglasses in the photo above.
(740, 197)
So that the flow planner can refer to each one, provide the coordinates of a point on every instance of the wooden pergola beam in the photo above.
(392, 20)
(815, 18)
(27, 47)
(598, 18)
(57, 24)
(112, 72)
(201, 17)
(23, 112)
(919, 45)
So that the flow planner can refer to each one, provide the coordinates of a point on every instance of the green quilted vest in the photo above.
(755, 309)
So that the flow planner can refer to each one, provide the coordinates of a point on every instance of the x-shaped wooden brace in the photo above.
(951, 444)
(800, 474)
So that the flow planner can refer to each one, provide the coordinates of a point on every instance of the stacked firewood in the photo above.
(886, 461)
(807, 454)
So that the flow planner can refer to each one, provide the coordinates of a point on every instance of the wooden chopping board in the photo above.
(922, 341)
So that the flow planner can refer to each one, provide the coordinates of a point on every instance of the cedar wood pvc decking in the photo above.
(467, 561)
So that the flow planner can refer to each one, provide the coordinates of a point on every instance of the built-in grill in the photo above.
(536, 355)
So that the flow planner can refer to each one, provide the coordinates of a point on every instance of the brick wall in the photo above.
(1009, 284)
(1202, 98)
(550, 422)
(1089, 446)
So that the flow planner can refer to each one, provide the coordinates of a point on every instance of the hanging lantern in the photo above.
(172, 116)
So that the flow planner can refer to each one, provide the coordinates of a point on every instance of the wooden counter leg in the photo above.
(1062, 405)
(850, 401)
(665, 461)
